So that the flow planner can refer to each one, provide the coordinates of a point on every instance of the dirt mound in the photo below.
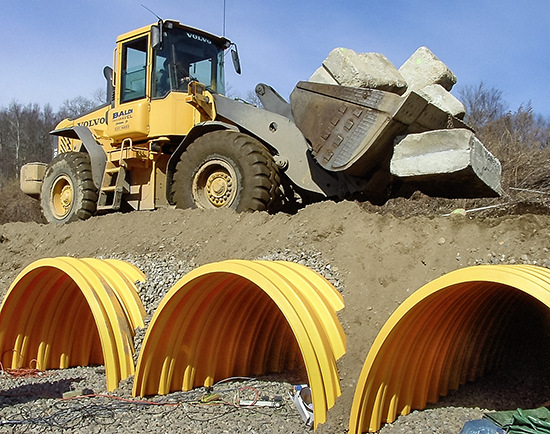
(380, 259)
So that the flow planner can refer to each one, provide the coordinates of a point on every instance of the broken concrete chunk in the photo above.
(448, 163)
(423, 68)
(371, 70)
(321, 75)
(441, 98)
(382, 74)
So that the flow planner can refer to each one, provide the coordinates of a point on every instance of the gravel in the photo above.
(34, 403)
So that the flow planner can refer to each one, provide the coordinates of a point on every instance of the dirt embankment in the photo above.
(380, 259)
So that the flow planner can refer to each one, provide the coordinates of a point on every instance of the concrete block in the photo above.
(441, 98)
(321, 75)
(370, 70)
(449, 163)
(423, 68)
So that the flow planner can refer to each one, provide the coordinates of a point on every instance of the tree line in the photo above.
(24, 132)
(519, 138)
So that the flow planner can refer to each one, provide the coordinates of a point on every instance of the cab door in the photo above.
(129, 117)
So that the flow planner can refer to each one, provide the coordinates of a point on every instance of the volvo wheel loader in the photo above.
(169, 137)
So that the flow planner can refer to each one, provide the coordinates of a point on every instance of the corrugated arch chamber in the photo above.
(244, 318)
(452, 330)
(62, 312)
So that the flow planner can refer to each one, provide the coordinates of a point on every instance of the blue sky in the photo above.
(53, 51)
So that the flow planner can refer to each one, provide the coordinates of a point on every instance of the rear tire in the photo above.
(227, 169)
(68, 191)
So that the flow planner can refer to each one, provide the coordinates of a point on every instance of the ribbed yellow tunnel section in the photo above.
(62, 312)
(244, 318)
(452, 330)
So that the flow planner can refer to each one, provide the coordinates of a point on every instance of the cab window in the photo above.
(134, 67)
(184, 57)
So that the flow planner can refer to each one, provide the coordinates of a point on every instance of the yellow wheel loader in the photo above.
(168, 137)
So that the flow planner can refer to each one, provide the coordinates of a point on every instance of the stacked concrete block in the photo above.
(437, 154)
(370, 70)
(423, 69)
(433, 80)
(435, 94)
(322, 75)
(423, 72)
(446, 157)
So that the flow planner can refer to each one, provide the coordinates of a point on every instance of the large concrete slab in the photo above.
(423, 68)
(369, 70)
(449, 163)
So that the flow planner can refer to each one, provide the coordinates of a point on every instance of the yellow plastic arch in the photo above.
(446, 333)
(62, 312)
(243, 318)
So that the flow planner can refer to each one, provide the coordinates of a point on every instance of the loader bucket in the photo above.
(353, 129)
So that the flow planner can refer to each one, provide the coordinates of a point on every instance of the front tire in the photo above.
(68, 191)
(227, 169)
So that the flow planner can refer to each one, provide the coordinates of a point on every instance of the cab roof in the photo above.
(220, 41)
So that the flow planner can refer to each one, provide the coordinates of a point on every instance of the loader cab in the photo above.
(153, 68)
(182, 56)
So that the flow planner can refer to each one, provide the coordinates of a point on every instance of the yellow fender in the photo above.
(446, 333)
(62, 312)
(244, 318)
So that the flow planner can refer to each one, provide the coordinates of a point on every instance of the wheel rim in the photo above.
(62, 197)
(215, 185)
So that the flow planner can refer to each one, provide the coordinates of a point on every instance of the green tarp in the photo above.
(535, 421)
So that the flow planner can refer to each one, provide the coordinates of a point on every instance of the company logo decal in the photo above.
(123, 114)
(92, 122)
(198, 38)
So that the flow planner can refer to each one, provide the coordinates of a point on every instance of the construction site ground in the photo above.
(376, 256)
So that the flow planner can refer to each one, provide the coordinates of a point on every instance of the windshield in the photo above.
(184, 57)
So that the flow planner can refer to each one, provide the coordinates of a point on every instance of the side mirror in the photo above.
(236, 60)
(108, 74)
(156, 36)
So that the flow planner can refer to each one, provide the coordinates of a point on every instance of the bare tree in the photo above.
(24, 136)
(483, 106)
(75, 107)
(253, 98)
(100, 96)
(519, 139)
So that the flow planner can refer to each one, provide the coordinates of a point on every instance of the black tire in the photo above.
(68, 192)
(227, 169)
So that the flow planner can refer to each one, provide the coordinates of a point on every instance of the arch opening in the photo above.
(63, 312)
(245, 318)
(454, 330)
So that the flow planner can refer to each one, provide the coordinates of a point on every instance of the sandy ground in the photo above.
(380, 259)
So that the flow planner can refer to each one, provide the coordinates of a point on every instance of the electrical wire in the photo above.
(83, 411)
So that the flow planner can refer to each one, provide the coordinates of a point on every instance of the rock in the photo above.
(460, 212)
(423, 69)
(370, 70)
(437, 95)
(321, 75)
